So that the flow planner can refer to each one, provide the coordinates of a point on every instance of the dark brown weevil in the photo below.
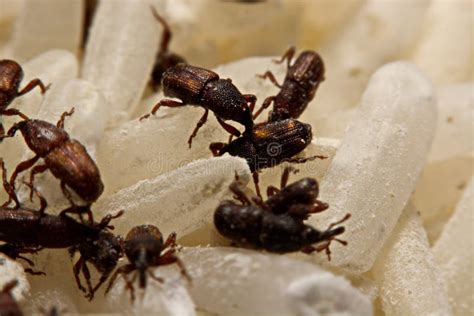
(299, 87)
(164, 58)
(202, 87)
(269, 144)
(103, 251)
(66, 158)
(144, 248)
(11, 75)
(8, 304)
(28, 231)
(272, 227)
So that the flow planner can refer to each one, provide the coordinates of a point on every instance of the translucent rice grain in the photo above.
(230, 281)
(120, 53)
(47, 24)
(409, 280)
(444, 51)
(439, 189)
(182, 201)
(378, 163)
(350, 62)
(455, 116)
(170, 298)
(453, 252)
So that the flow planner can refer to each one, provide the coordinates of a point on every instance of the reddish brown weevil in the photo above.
(164, 58)
(202, 87)
(269, 144)
(298, 88)
(66, 158)
(11, 75)
(8, 305)
(144, 248)
(277, 227)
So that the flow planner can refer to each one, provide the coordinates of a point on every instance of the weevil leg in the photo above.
(13, 112)
(76, 269)
(215, 148)
(288, 55)
(36, 170)
(256, 180)
(60, 123)
(80, 210)
(122, 271)
(199, 124)
(43, 203)
(101, 281)
(22, 166)
(236, 188)
(67, 194)
(169, 258)
(33, 272)
(6, 185)
(269, 75)
(266, 103)
(154, 277)
(345, 218)
(87, 276)
(33, 84)
(164, 102)
(2, 132)
(305, 159)
(170, 241)
(308, 249)
(229, 128)
(166, 33)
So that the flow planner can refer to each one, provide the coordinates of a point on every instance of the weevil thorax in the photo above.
(277, 141)
(242, 147)
(103, 252)
(304, 191)
(225, 100)
(11, 75)
(42, 137)
(186, 82)
(143, 245)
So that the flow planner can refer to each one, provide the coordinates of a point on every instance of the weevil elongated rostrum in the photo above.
(11, 75)
(8, 305)
(66, 158)
(276, 225)
(202, 87)
(269, 144)
(164, 58)
(144, 248)
(299, 87)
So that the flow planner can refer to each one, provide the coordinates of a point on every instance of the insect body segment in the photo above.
(299, 87)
